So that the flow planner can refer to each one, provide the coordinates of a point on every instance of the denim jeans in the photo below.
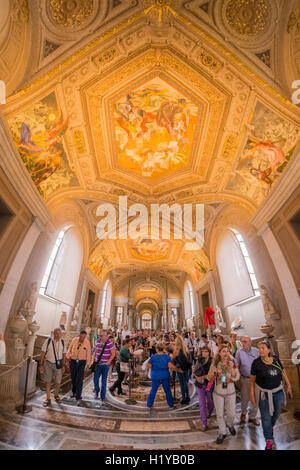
(166, 386)
(184, 383)
(267, 421)
(102, 370)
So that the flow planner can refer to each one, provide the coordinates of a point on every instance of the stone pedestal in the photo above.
(292, 370)
(31, 384)
(14, 351)
(10, 397)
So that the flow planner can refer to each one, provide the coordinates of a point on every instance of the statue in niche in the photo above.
(88, 314)
(267, 303)
(76, 315)
(29, 303)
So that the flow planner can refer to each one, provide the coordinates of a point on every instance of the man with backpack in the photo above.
(52, 364)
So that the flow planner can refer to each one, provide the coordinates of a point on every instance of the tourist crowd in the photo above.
(218, 368)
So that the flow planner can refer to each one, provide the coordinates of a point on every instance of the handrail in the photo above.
(16, 366)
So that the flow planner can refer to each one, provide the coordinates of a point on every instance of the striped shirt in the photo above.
(106, 353)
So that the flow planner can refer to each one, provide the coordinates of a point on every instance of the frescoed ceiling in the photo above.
(146, 100)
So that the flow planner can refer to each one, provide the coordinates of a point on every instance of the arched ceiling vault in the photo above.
(162, 102)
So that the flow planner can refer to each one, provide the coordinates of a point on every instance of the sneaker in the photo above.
(232, 431)
(96, 396)
(204, 428)
(73, 395)
(220, 438)
(47, 403)
(243, 419)
(269, 445)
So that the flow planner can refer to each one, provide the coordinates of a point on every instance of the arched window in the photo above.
(50, 277)
(247, 260)
(60, 280)
(241, 298)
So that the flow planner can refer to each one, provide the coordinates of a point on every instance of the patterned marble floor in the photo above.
(117, 426)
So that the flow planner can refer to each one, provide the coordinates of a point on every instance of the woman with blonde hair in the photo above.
(224, 373)
(182, 362)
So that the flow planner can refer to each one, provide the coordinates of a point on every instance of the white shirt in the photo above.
(59, 349)
(125, 333)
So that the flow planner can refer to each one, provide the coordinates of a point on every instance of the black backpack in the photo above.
(49, 341)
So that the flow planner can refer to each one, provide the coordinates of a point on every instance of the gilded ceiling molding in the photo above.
(216, 45)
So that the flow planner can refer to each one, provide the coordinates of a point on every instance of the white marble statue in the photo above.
(237, 323)
(267, 303)
(87, 315)
(29, 303)
(219, 317)
(76, 315)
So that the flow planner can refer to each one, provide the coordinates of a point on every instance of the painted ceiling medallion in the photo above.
(247, 17)
(154, 129)
(70, 13)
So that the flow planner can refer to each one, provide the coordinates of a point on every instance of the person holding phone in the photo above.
(224, 372)
(266, 389)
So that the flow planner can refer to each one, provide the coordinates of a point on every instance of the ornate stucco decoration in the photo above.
(20, 10)
(70, 13)
(247, 17)
(160, 10)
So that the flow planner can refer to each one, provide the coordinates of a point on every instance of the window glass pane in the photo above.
(249, 265)
(254, 281)
(244, 249)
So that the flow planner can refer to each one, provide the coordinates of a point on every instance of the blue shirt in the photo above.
(159, 369)
(244, 360)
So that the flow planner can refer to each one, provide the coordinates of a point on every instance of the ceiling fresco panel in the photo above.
(38, 132)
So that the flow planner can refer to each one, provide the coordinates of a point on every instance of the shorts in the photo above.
(51, 373)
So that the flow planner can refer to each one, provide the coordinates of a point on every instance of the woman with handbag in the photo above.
(206, 404)
(224, 372)
(122, 366)
(266, 388)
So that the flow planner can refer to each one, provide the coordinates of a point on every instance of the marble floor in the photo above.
(116, 425)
